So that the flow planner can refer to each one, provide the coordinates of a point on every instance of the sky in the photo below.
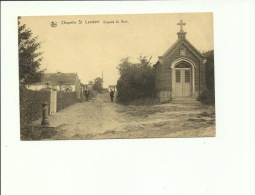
(94, 44)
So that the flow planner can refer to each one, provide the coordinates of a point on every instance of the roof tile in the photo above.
(57, 78)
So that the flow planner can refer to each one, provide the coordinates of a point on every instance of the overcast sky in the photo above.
(90, 48)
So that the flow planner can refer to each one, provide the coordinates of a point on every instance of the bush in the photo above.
(92, 93)
(38, 133)
(104, 91)
(31, 105)
(148, 101)
(137, 80)
(98, 84)
(209, 70)
(65, 99)
(207, 97)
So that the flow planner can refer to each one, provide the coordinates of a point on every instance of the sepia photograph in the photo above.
(116, 76)
(126, 98)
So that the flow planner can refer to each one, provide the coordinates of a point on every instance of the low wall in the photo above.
(31, 105)
(65, 99)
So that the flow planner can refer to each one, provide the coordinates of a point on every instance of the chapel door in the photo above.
(183, 82)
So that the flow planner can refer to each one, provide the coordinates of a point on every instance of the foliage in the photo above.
(66, 88)
(97, 84)
(38, 133)
(65, 99)
(29, 55)
(92, 93)
(207, 97)
(144, 101)
(31, 105)
(90, 83)
(137, 80)
(209, 70)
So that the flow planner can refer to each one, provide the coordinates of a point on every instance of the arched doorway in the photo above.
(182, 78)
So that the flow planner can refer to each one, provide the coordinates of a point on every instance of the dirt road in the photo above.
(100, 118)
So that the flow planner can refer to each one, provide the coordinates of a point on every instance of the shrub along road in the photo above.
(100, 118)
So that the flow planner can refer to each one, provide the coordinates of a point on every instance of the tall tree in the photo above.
(29, 55)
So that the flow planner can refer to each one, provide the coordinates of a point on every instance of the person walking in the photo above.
(87, 94)
(112, 95)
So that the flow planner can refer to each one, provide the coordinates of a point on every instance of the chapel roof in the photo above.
(181, 40)
(187, 44)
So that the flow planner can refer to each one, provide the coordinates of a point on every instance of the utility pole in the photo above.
(102, 79)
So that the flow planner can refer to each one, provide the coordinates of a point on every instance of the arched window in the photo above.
(183, 65)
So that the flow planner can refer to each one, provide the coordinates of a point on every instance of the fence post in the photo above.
(45, 120)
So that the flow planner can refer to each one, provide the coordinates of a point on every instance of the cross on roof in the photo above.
(181, 24)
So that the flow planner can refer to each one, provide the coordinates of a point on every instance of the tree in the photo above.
(90, 83)
(98, 84)
(208, 96)
(209, 69)
(137, 80)
(29, 56)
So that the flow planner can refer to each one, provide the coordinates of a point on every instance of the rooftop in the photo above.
(59, 78)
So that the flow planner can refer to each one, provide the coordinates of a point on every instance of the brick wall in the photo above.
(163, 78)
(164, 71)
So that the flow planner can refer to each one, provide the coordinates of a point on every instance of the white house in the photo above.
(68, 82)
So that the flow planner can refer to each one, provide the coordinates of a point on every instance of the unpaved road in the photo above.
(100, 118)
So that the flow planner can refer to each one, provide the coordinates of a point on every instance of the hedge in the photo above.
(207, 97)
(31, 105)
(65, 99)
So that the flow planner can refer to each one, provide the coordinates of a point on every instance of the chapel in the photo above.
(180, 71)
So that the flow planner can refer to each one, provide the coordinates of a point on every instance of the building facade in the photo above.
(67, 82)
(180, 71)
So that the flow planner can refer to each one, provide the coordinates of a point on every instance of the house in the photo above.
(180, 71)
(67, 82)
(112, 87)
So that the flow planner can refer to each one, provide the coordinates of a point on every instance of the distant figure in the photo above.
(87, 94)
(112, 95)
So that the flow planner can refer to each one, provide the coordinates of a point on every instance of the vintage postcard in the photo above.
(104, 84)
(116, 76)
